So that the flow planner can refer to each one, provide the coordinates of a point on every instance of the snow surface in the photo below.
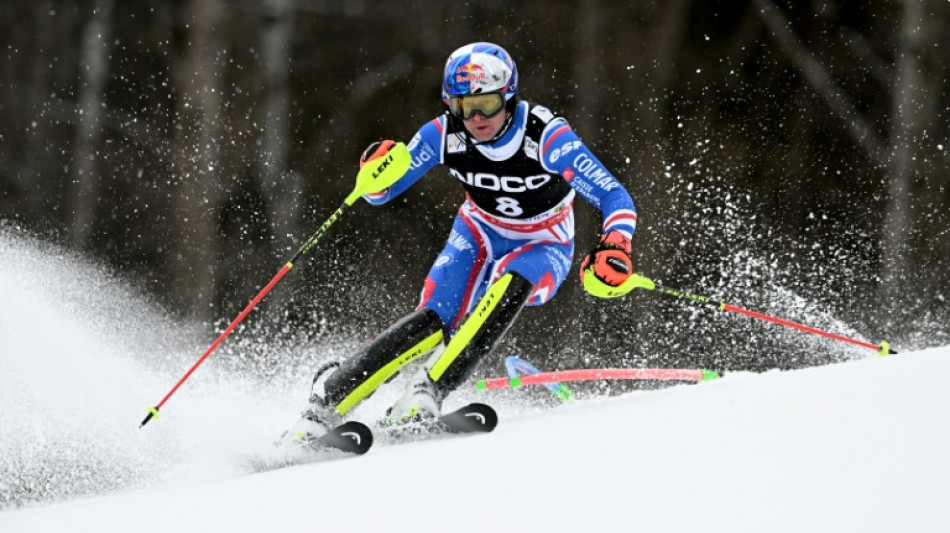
(857, 446)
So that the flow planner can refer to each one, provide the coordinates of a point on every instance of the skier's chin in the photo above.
(482, 134)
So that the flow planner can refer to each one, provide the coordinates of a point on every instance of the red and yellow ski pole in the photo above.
(646, 283)
(373, 177)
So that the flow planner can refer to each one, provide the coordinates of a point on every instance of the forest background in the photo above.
(788, 157)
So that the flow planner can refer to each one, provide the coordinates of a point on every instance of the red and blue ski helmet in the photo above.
(480, 68)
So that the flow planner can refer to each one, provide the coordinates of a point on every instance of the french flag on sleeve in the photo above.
(622, 220)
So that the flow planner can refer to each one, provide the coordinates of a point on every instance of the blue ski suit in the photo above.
(518, 212)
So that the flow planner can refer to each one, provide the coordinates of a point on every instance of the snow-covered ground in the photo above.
(861, 446)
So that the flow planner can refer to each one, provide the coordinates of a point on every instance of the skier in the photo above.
(511, 244)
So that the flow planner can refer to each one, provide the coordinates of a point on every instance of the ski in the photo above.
(345, 440)
(356, 438)
(471, 418)
(351, 437)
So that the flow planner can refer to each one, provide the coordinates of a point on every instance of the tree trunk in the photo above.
(860, 129)
(654, 196)
(282, 189)
(197, 200)
(585, 116)
(36, 164)
(94, 72)
(906, 126)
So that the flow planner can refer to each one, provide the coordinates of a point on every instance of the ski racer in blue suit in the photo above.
(511, 244)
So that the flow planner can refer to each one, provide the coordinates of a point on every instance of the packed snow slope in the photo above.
(858, 446)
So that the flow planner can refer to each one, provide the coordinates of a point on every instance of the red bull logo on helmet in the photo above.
(478, 73)
(479, 68)
(470, 73)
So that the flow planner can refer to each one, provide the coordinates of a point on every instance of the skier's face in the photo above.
(483, 129)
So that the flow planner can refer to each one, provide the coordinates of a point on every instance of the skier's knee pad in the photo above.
(382, 357)
(481, 330)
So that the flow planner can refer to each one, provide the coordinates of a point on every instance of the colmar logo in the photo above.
(594, 173)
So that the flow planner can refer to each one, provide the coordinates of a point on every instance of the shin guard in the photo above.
(480, 331)
(380, 359)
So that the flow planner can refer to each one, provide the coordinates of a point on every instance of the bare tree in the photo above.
(94, 72)
(197, 81)
(895, 155)
(907, 123)
(585, 115)
(811, 69)
(282, 188)
(661, 61)
(35, 164)
(586, 60)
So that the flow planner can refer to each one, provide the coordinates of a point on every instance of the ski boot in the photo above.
(318, 418)
(421, 401)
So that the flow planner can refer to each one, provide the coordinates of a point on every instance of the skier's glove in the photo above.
(376, 150)
(606, 270)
